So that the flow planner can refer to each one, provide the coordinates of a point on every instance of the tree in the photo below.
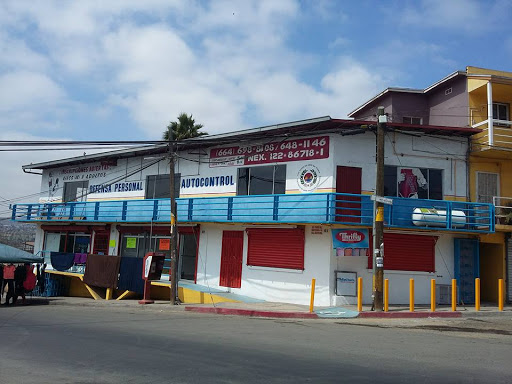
(184, 128)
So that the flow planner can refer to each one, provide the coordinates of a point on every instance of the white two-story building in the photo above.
(262, 212)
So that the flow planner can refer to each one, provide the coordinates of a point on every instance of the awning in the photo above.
(10, 254)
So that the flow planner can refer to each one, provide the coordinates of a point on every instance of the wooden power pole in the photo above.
(174, 236)
(378, 225)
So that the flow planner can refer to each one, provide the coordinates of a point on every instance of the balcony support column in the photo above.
(490, 124)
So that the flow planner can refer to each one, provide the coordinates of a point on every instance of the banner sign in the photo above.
(310, 148)
(351, 242)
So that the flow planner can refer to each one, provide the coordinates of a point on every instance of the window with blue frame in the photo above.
(265, 180)
(413, 182)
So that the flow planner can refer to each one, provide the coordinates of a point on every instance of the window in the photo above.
(267, 180)
(158, 186)
(276, 248)
(500, 111)
(70, 242)
(75, 191)
(416, 183)
(412, 120)
(486, 187)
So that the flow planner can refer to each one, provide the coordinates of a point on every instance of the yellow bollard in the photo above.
(500, 294)
(312, 300)
(477, 294)
(454, 295)
(411, 295)
(360, 294)
(386, 295)
(433, 295)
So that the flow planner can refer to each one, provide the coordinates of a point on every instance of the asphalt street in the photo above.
(74, 344)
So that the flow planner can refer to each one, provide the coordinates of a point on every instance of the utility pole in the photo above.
(378, 224)
(174, 237)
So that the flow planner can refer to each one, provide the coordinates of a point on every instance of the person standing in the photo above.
(20, 274)
(9, 281)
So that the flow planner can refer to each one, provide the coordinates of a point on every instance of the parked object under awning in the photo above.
(10, 254)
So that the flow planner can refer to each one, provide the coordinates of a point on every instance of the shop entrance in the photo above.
(187, 256)
(491, 269)
(137, 241)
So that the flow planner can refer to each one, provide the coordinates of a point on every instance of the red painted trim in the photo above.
(408, 315)
(253, 313)
(67, 228)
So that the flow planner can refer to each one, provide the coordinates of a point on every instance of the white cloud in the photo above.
(471, 16)
(27, 89)
(228, 63)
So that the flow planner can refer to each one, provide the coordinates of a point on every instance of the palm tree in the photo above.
(184, 128)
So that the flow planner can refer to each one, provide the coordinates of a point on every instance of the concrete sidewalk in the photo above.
(280, 310)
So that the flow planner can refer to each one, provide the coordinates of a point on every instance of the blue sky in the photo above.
(122, 69)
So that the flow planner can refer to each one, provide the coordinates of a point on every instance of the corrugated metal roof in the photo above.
(301, 127)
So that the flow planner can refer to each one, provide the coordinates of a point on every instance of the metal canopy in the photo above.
(10, 254)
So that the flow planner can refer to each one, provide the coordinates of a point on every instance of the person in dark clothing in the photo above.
(20, 274)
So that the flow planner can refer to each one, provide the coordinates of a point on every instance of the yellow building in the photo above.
(490, 169)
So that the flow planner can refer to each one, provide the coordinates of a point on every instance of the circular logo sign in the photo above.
(308, 177)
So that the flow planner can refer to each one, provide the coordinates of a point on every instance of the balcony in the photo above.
(494, 137)
(503, 208)
(314, 208)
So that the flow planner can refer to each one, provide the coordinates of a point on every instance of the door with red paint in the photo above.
(348, 180)
(101, 240)
(231, 259)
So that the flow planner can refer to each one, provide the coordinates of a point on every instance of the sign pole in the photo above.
(378, 235)
(174, 260)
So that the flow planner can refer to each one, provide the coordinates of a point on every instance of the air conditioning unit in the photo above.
(443, 294)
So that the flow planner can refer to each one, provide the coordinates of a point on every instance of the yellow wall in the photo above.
(500, 166)
(484, 71)
(491, 269)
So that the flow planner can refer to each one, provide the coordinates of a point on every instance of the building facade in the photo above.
(262, 212)
(477, 98)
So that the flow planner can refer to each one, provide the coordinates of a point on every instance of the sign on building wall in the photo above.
(310, 148)
(351, 242)
(346, 283)
(308, 178)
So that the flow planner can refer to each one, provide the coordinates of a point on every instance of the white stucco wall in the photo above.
(399, 280)
(320, 262)
(271, 284)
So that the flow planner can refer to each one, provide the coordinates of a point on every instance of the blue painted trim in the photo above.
(311, 208)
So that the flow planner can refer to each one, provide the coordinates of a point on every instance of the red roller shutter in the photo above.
(408, 253)
(278, 248)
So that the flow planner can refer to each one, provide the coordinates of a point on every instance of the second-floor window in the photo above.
(266, 180)
(412, 120)
(412, 182)
(75, 191)
(158, 186)
(500, 111)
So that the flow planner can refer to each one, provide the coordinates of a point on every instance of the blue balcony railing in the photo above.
(328, 208)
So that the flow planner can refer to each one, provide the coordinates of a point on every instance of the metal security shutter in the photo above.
(509, 270)
(277, 248)
(408, 253)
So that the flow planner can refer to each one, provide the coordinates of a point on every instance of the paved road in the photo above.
(73, 344)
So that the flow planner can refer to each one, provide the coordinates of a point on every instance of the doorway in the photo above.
(231, 259)
(491, 269)
(348, 208)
